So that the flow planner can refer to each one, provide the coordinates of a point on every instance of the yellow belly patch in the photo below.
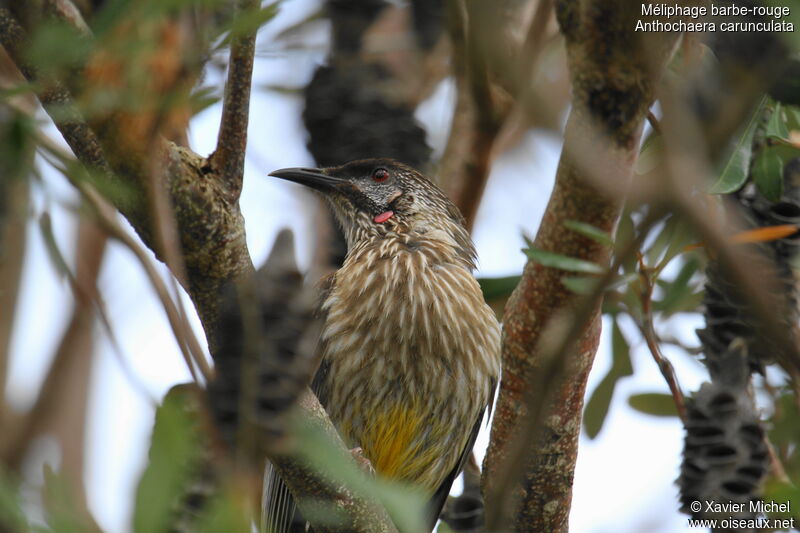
(393, 442)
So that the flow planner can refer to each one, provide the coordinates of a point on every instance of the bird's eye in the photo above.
(380, 174)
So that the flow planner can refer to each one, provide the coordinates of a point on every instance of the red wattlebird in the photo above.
(410, 350)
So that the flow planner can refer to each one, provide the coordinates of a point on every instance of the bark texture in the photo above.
(531, 459)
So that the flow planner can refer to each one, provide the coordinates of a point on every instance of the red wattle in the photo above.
(383, 217)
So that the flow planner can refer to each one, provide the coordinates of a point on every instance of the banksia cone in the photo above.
(347, 117)
(265, 358)
(725, 455)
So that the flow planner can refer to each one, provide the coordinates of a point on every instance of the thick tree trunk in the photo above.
(551, 334)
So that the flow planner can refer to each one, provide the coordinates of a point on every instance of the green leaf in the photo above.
(678, 291)
(298, 28)
(53, 251)
(650, 154)
(203, 98)
(225, 515)
(776, 127)
(621, 352)
(528, 240)
(682, 236)
(55, 47)
(498, 288)
(598, 404)
(562, 262)
(596, 410)
(587, 230)
(62, 510)
(404, 503)
(174, 452)
(283, 89)
(579, 284)
(783, 430)
(768, 173)
(11, 513)
(689, 302)
(735, 170)
(586, 284)
(632, 299)
(623, 281)
(653, 403)
(662, 240)
(626, 232)
(793, 115)
(252, 20)
(778, 491)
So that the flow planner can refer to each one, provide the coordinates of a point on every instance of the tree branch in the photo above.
(477, 119)
(648, 331)
(228, 157)
(60, 107)
(55, 98)
(204, 200)
(65, 10)
(614, 76)
(60, 407)
(104, 211)
(207, 212)
(15, 169)
(352, 512)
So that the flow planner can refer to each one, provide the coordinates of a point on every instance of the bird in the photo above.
(410, 351)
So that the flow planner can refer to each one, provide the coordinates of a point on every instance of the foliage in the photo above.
(174, 455)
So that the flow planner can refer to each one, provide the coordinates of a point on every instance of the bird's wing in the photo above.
(279, 510)
(440, 496)
(277, 504)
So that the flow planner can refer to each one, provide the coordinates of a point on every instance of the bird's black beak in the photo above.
(311, 177)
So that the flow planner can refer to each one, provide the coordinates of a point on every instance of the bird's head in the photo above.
(380, 198)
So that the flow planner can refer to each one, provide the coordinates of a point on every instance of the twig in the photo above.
(60, 409)
(65, 10)
(651, 118)
(650, 337)
(672, 341)
(209, 220)
(778, 470)
(193, 343)
(55, 99)
(185, 336)
(13, 232)
(228, 157)
(533, 46)
(467, 159)
(167, 242)
(480, 117)
(107, 216)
